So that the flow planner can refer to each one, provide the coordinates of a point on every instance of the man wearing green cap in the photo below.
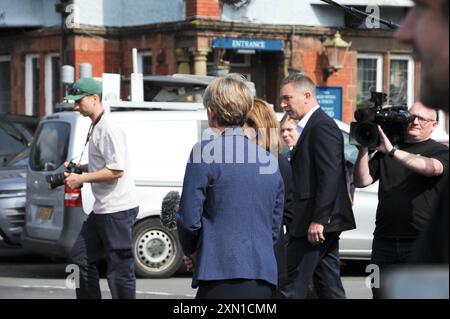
(107, 230)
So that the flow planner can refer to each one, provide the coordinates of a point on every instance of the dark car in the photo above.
(16, 134)
(13, 198)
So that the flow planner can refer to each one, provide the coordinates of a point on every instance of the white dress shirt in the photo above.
(302, 123)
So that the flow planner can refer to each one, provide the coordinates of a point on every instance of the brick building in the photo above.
(262, 39)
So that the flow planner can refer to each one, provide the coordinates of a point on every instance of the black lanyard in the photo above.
(91, 129)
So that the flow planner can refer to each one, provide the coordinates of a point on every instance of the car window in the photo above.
(49, 149)
(174, 94)
(10, 141)
(20, 159)
(350, 151)
(26, 132)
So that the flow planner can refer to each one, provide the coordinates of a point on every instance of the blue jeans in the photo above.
(388, 252)
(106, 235)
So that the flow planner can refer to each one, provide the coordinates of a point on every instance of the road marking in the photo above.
(137, 291)
(162, 293)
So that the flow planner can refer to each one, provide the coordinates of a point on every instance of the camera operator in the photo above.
(411, 178)
(107, 230)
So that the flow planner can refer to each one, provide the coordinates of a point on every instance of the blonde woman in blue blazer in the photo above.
(232, 203)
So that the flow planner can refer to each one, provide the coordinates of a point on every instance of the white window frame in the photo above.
(411, 75)
(442, 121)
(49, 82)
(379, 58)
(29, 83)
(142, 54)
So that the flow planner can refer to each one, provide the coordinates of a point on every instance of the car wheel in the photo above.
(157, 251)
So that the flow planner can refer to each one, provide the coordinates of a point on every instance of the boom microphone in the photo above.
(169, 208)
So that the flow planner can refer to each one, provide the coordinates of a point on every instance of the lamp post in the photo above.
(336, 51)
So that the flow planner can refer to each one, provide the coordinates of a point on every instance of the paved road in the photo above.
(35, 277)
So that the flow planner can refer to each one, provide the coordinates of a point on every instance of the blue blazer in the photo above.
(231, 209)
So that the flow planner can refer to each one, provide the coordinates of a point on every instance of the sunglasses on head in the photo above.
(250, 122)
(75, 91)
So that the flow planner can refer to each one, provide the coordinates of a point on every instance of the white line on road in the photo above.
(137, 291)
(162, 293)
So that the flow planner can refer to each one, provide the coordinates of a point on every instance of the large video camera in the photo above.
(393, 120)
(56, 180)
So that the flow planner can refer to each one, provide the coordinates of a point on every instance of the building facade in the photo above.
(262, 39)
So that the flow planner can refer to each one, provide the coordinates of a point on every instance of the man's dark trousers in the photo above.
(388, 252)
(106, 235)
(320, 263)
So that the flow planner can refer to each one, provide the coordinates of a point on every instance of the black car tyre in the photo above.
(157, 251)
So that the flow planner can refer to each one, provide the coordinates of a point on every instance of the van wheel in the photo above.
(157, 251)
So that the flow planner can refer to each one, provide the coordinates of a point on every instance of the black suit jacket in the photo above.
(280, 245)
(319, 180)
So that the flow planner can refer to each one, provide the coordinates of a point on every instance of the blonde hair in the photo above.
(230, 98)
(264, 121)
(287, 118)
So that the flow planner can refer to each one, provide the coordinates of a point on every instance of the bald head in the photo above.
(420, 109)
(423, 125)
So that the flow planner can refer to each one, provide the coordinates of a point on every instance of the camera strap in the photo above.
(91, 128)
(88, 137)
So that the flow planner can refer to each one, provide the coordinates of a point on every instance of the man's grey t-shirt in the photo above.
(108, 147)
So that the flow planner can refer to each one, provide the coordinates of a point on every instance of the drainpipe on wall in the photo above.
(61, 8)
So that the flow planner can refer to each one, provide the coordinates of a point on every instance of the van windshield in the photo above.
(49, 148)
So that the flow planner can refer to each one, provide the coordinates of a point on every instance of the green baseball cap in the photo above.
(84, 87)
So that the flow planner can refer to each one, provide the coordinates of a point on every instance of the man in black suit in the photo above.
(321, 200)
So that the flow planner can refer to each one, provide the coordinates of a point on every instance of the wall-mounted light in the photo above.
(336, 51)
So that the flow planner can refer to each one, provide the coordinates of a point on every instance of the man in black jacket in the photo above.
(321, 200)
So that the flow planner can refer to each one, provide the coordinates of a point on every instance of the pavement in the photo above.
(24, 276)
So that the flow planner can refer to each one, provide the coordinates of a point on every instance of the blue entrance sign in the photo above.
(248, 44)
(330, 100)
